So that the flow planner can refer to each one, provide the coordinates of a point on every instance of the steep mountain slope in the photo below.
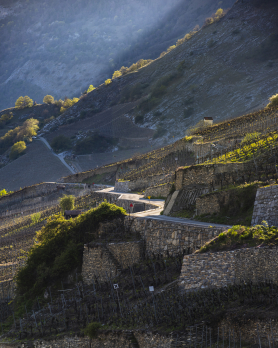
(224, 70)
(32, 168)
(60, 47)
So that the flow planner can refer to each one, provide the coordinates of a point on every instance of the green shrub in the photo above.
(67, 202)
(17, 150)
(91, 330)
(36, 217)
(90, 89)
(59, 250)
(24, 102)
(48, 99)
(251, 137)
(68, 103)
(4, 192)
(116, 74)
(273, 100)
(107, 82)
(243, 237)
(61, 143)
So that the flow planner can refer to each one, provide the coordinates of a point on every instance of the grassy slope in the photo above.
(243, 237)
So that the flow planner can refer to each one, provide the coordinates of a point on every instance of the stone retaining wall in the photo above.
(211, 203)
(42, 192)
(266, 206)
(102, 260)
(142, 184)
(206, 174)
(162, 236)
(208, 270)
(121, 339)
(158, 191)
(80, 177)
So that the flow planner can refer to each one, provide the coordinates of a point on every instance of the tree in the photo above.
(68, 103)
(107, 82)
(116, 74)
(90, 89)
(91, 330)
(48, 99)
(169, 49)
(67, 202)
(24, 102)
(17, 149)
(273, 100)
(219, 13)
(28, 130)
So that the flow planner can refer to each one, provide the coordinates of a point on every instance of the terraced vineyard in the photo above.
(263, 121)
(162, 161)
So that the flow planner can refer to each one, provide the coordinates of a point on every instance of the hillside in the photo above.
(31, 169)
(223, 71)
(63, 47)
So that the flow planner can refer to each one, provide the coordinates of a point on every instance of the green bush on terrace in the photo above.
(59, 248)
(243, 237)
(248, 151)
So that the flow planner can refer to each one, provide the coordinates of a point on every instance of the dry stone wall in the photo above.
(143, 183)
(115, 339)
(107, 260)
(215, 270)
(80, 177)
(266, 206)
(206, 174)
(29, 196)
(161, 237)
(158, 191)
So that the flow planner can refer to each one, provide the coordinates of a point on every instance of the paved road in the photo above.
(59, 156)
(154, 214)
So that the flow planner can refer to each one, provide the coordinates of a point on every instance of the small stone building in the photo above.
(208, 121)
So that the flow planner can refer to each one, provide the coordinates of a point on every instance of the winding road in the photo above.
(154, 214)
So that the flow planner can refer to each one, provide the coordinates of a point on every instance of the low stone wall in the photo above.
(161, 237)
(208, 270)
(115, 339)
(158, 191)
(142, 184)
(266, 206)
(43, 192)
(211, 203)
(80, 177)
(107, 260)
(206, 174)
(126, 253)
